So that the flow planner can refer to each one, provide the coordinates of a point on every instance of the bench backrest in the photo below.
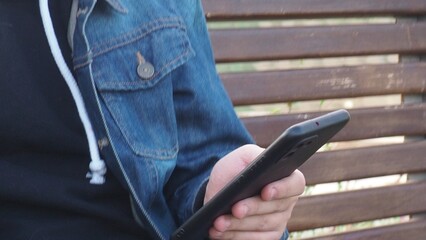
(397, 35)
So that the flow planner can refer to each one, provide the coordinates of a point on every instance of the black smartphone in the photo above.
(290, 150)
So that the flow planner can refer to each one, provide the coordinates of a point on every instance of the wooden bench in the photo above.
(401, 36)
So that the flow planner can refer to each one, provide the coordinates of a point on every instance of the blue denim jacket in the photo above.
(161, 133)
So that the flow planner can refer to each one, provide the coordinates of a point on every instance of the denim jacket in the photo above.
(161, 131)
(161, 128)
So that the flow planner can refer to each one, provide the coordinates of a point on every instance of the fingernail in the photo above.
(217, 234)
(227, 224)
(244, 210)
(273, 194)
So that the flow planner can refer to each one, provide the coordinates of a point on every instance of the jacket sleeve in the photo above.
(208, 127)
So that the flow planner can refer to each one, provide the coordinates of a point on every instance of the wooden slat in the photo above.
(365, 123)
(368, 162)
(413, 230)
(357, 206)
(253, 9)
(326, 83)
(232, 45)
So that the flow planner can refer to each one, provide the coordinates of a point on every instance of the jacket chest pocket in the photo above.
(133, 74)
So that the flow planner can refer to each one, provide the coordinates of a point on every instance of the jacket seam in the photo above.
(108, 85)
(139, 34)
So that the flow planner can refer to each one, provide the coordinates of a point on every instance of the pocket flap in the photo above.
(163, 44)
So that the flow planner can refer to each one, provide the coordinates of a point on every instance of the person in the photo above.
(115, 125)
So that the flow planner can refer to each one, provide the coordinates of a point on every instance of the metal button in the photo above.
(145, 70)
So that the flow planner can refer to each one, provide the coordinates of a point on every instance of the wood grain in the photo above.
(413, 230)
(326, 83)
(273, 9)
(231, 45)
(350, 164)
(357, 206)
(365, 123)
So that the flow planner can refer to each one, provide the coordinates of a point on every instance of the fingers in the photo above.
(260, 217)
(260, 223)
(264, 216)
(228, 167)
(248, 153)
(271, 235)
(286, 190)
(291, 186)
(256, 206)
(270, 225)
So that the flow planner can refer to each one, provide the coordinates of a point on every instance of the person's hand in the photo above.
(256, 218)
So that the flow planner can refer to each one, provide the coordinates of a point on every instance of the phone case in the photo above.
(290, 150)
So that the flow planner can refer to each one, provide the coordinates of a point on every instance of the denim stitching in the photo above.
(112, 84)
(157, 153)
(77, 66)
(145, 27)
(122, 44)
(136, 34)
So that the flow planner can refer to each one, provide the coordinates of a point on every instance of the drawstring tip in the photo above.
(97, 179)
(97, 172)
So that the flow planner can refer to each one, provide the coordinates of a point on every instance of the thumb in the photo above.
(230, 166)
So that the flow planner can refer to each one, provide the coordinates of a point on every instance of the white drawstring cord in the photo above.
(97, 165)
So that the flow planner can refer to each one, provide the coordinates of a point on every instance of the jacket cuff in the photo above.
(199, 198)
(286, 235)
